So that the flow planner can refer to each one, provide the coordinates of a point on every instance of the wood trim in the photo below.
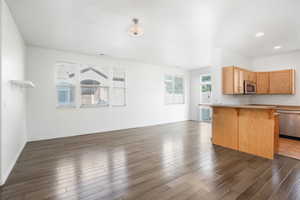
(293, 85)
(276, 134)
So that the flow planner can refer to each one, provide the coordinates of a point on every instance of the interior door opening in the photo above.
(205, 112)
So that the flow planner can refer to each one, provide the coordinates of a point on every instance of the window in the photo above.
(83, 85)
(93, 94)
(65, 94)
(65, 84)
(119, 88)
(205, 78)
(94, 86)
(174, 89)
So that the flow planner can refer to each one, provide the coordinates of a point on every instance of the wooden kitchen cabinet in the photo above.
(282, 82)
(274, 82)
(234, 78)
(255, 125)
(242, 77)
(231, 80)
(252, 76)
(228, 80)
(225, 127)
(262, 82)
(247, 129)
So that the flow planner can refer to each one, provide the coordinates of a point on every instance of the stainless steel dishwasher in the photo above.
(289, 123)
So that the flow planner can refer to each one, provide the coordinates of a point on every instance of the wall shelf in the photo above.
(22, 84)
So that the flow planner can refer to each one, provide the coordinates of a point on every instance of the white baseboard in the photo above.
(7, 173)
(30, 139)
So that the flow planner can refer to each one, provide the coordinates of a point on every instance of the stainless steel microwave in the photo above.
(249, 87)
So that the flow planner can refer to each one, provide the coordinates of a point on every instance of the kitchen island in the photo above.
(247, 128)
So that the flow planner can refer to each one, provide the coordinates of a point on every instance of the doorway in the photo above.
(205, 112)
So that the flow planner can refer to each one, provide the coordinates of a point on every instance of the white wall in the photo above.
(145, 98)
(1, 2)
(278, 62)
(13, 117)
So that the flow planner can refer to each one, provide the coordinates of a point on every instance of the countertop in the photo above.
(256, 106)
(240, 106)
(283, 107)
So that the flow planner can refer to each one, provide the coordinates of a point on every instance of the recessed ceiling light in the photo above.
(259, 34)
(277, 47)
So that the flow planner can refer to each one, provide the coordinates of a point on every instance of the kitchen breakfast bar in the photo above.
(251, 129)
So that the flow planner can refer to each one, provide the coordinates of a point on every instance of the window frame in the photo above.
(72, 87)
(113, 87)
(205, 83)
(202, 108)
(173, 94)
(94, 105)
(61, 82)
(75, 69)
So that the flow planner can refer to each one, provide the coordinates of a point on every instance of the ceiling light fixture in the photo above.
(277, 47)
(135, 30)
(259, 34)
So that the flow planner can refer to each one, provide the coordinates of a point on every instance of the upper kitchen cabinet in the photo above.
(230, 80)
(262, 82)
(282, 82)
(239, 76)
(234, 78)
(274, 82)
(251, 76)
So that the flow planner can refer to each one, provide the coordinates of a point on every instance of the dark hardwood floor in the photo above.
(172, 161)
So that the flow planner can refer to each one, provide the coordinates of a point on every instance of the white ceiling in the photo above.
(177, 33)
